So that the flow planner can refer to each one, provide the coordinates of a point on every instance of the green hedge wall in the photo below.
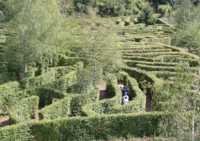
(105, 106)
(35, 82)
(65, 81)
(138, 102)
(58, 109)
(77, 103)
(9, 92)
(113, 105)
(20, 132)
(145, 76)
(104, 127)
(47, 95)
(24, 110)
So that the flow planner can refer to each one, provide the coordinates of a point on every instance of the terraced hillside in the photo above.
(147, 51)
(49, 108)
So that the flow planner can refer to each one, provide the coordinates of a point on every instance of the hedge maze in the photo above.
(49, 110)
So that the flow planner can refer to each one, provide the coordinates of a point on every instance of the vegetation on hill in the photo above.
(63, 64)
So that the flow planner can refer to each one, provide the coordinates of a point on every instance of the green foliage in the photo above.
(109, 7)
(147, 15)
(24, 110)
(40, 40)
(187, 21)
(138, 98)
(58, 109)
(165, 9)
(84, 129)
(47, 95)
(9, 94)
(20, 132)
(77, 102)
(182, 97)
(36, 82)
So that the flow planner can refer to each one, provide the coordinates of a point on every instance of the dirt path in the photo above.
(4, 121)
(102, 86)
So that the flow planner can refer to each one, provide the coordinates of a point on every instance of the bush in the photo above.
(147, 15)
(107, 7)
(24, 110)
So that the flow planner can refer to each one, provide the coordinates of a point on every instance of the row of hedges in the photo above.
(58, 109)
(133, 63)
(47, 95)
(113, 105)
(156, 68)
(152, 54)
(147, 80)
(78, 102)
(92, 128)
(24, 110)
(35, 82)
(48, 77)
(64, 82)
(71, 105)
(105, 106)
(145, 50)
(138, 102)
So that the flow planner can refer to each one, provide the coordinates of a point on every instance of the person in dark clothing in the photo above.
(125, 90)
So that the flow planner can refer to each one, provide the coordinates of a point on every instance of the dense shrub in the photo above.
(147, 15)
(24, 110)
(108, 7)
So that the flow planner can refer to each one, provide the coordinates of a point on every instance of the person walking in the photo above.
(125, 99)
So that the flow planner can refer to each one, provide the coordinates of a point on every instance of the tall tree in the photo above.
(182, 99)
(35, 23)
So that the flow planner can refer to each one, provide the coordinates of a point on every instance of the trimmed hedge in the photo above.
(86, 129)
(24, 110)
(133, 63)
(64, 82)
(35, 82)
(105, 106)
(156, 68)
(104, 127)
(154, 54)
(77, 103)
(9, 92)
(58, 109)
(47, 95)
(19, 132)
(141, 75)
(138, 103)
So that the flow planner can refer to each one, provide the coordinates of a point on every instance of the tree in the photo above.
(182, 99)
(35, 23)
(187, 21)
(98, 49)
